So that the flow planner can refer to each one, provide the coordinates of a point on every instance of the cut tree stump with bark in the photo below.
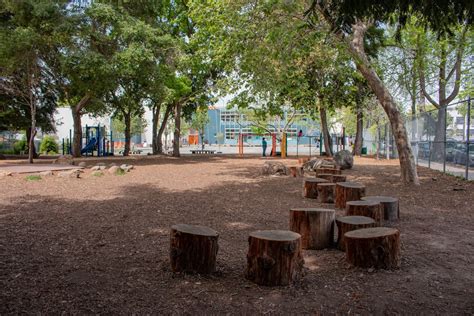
(274, 257)
(310, 187)
(193, 249)
(371, 209)
(295, 171)
(326, 192)
(338, 178)
(348, 223)
(327, 170)
(348, 191)
(391, 208)
(325, 176)
(315, 225)
(377, 247)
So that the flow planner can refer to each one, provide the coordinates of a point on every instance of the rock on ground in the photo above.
(83, 164)
(274, 168)
(64, 160)
(344, 159)
(5, 173)
(126, 167)
(113, 169)
(46, 173)
(75, 173)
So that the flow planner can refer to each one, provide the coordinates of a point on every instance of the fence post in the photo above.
(444, 140)
(429, 154)
(297, 145)
(468, 135)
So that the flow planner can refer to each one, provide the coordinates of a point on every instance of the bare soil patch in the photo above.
(100, 244)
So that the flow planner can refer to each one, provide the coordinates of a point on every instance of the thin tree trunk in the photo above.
(407, 161)
(30, 137)
(156, 116)
(76, 117)
(325, 131)
(358, 139)
(159, 138)
(128, 122)
(177, 129)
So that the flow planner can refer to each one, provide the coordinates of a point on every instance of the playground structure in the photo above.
(240, 142)
(95, 139)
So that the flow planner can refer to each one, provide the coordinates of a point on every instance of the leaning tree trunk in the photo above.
(156, 116)
(28, 137)
(177, 129)
(358, 139)
(159, 138)
(128, 122)
(405, 154)
(325, 131)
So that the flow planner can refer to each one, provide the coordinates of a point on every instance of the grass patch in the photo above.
(33, 177)
(120, 172)
(98, 174)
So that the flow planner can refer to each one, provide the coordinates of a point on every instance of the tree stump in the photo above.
(325, 176)
(377, 247)
(315, 225)
(338, 178)
(326, 192)
(193, 249)
(391, 208)
(327, 170)
(310, 187)
(371, 209)
(348, 191)
(294, 171)
(274, 257)
(348, 223)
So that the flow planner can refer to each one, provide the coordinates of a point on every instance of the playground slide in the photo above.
(89, 146)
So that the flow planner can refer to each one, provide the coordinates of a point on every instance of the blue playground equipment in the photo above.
(97, 141)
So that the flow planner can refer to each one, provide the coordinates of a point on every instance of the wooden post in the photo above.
(315, 225)
(310, 190)
(377, 247)
(338, 178)
(327, 170)
(371, 209)
(348, 223)
(391, 208)
(348, 191)
(274, 257)
(193, 249)
(326, 192)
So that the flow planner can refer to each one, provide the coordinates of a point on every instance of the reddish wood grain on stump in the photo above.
(391, 208)
(310, 187)
(338, 178)
(274, 257)
(326, 192)
(348, 191)
(327, 170)
(371, 209)
(377, 247)
(295, 171)
(315, 225)
(193, 249)
(348, 223)
(325, 176)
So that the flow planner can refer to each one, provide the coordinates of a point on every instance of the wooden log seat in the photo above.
(391, 208)
(193, 249)
(274, 257)
(315, 225)
(371, 209)
(348, 191)
(348, 223)
(327, 170)
(326, 192)
(377, 247)
(310, 189)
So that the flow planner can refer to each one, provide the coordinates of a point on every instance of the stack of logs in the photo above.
(275, 256)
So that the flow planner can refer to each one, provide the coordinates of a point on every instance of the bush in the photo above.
(19, 146)
(49, 145)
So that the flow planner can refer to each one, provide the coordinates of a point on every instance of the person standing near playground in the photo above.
(264, 146)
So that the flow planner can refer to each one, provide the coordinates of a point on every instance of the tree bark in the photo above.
(310, 187)
(168, 110)
(325, 131)
(389, 205)
(156, 116)
(348, 191)
(76, 117)
(358, 138)
(315, 225)
(348, 223)
(326, 192)
(128, 122)
(371, 209)
(405, 154)
(177, 129)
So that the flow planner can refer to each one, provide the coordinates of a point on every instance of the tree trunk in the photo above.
(407, 161)
(310, 187)
(438, 144)
(30, 135)
(390, 206)
(348, 191)
(156, 116)
(162, 129)
(358, 138)
(325, 131)
(28, 138)
(177, 129)
(326, 192)
(315, 225)
(128, 122)
(371, 209)
(274, 257)
(76, 117)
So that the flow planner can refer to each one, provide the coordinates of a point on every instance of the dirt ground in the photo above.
(100, 244)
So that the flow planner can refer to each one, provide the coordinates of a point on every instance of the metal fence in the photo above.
(441, 139)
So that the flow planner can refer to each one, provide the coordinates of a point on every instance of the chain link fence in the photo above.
(441, 139)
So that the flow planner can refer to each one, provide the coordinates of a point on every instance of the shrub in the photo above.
(49, 145)
(19, 146)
